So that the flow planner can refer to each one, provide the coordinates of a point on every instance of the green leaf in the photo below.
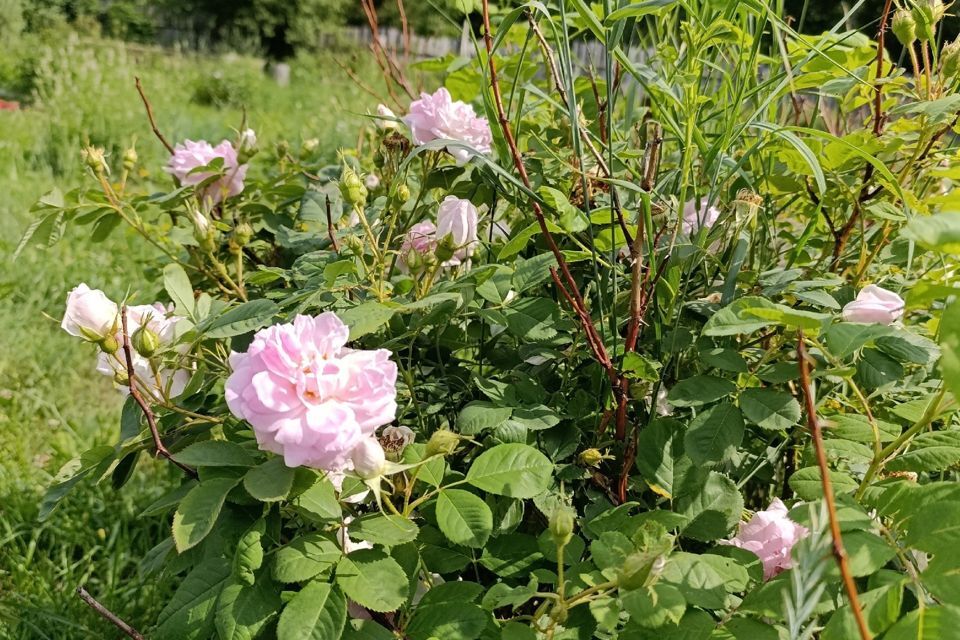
(932, 451)
(464, 518)
(387, 530)
(700, 390)
(807, 483)
(245, 318)
(940, 232)
(950, 347)
(317, 612)
(701, 582)
(269, 482)
(536, 270)
(733, 318)
(215, 453)
(481, 415)
(177, 284)
(198, 511)
(373, 580)
(511, 555)
(876, 369)
(714, 435)
(94, 461)
(319, 502)
(572, 220)
(935, 528)
(448, 620)
(859, 428)
(770, 409)
(844, 338)
(243, 611)
(866, 552)
(712, 506)
(189, 615)
(366, 318)
(514, 470)
(928, 623)
(637, 9)
(305, 557)
(655, 606)
(249, 555)
(659, 446)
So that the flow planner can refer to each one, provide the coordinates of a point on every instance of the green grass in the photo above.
(53, 405)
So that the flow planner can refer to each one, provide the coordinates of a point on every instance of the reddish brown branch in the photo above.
(813, 424)
(108, 615)
(406, 29)
(843, 236)
(161, 449)
(153, 122)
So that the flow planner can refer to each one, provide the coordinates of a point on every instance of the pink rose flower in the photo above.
(694, 218)
(874, 305)
(90, 314)
(458, 219)
(421, 239)
(770, 535)
(368, 458)
(190, 155)
(439, 117)
(307, 396)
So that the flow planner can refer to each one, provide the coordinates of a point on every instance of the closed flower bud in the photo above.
(207, 239)
(90, 314)
(403, 193)
(283, 147)
(561, 524)
(243, 233)
(352, 188)
(950, 61)
(904, 27)
(446, 248)
(590, 457)
(145, 341)
(121, 378)
(247, 146)
(311, 145)
(354, 243)
(371, 182)
(926, 14)
(109, 344)
(368, 459)
(442, 442)
(414, 260)
(93, 157)
(129, 159)
(874, 305)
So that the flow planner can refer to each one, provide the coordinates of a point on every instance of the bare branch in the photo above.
(108, 615)
(153, 122)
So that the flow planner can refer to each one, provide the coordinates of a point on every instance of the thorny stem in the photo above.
(161, 449)
(108, 615)
(813, 424)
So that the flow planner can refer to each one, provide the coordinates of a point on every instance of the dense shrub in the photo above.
(625, 356)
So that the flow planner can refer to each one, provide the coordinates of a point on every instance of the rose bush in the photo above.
(627, 356)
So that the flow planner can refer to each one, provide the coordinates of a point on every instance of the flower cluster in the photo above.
(310, 398)
(91, 315)
(452, 240)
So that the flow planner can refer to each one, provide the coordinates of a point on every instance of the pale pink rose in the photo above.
(694, 218)
(458, 219)
(90, 314)
(368, 458)
(874, 305)
(770, 535)
(307, 396)
(439, 117)
(190, 155)
(421, 238)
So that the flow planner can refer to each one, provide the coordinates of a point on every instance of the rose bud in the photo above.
(443, 442)
(874, 305)
(368, 458)
(90, 314)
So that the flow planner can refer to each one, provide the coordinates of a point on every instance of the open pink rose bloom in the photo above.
(307, 396)
(190, 155)
(440, 117)
(771, 535)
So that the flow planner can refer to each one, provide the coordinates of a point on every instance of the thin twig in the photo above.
(153, 122)
(813, 424)
(330, 230)
(108, 615)
(844, 234)
(161, 449)
(406, 29)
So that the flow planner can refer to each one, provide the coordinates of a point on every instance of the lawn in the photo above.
(52, 404)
